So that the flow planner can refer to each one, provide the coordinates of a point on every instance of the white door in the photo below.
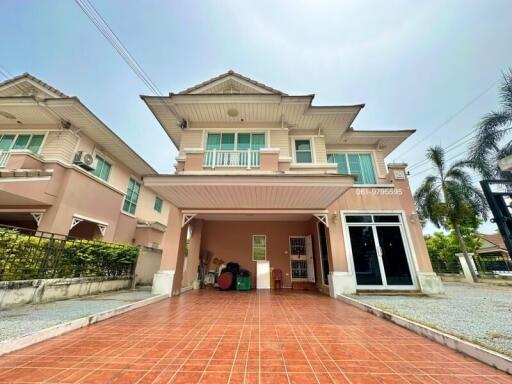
(263, 275)
(301, 258)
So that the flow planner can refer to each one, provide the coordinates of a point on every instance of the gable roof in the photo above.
(28, 76)
(495, 239)
(235, 76)
(66, 108)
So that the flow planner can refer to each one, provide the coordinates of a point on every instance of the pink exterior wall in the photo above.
(148, 236)
(375, 200)
(232, 241)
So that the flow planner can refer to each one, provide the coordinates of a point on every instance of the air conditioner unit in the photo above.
(84, 160)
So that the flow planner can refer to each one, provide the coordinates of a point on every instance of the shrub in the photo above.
(24, 257)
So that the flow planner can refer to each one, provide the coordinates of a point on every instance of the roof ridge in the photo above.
(27, 75)
(232, 73)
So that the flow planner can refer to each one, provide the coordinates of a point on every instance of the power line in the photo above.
(449, 119)
(100, 23)
(454, 145)
(429, 169)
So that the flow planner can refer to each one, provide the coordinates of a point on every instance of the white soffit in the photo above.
(250, 192)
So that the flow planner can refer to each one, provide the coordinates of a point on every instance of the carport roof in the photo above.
(292, 192)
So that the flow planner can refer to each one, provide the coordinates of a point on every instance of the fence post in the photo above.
(466, 268)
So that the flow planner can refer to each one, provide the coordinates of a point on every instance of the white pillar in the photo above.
(465, 267)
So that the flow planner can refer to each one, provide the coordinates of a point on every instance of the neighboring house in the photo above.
(270, 181)
(492, 246)
(62, 170)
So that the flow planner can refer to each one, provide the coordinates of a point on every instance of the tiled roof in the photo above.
(495, 239)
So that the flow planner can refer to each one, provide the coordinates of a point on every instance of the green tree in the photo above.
(442, 247)
(449, 199)
(489, 145)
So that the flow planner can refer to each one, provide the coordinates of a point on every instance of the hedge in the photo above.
(24, 257)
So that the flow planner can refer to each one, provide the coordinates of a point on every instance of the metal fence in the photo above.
(493, 265)
(27, 254)
(451, 266)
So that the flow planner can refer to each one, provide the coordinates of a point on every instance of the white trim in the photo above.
(323, 218)
(252, 247)
(20, 178)
(187, 218)
(95, 221)
(38, 216)
(255, 211)
(294, 138)
(314, 165)
(22, 210)
(320, 254)
(408, 246)
(269, 150)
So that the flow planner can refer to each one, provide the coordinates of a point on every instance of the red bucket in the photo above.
(225, 280)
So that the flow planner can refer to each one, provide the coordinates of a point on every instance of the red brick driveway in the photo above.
(240, 337)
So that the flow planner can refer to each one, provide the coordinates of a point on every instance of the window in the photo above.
(259, 247)
(357, 164)
(235, 141)
(158, 204)
(132, 195)
(303, 152)
(23, 141)
(102, 169)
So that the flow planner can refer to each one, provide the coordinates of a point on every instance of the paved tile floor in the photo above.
(241, 337)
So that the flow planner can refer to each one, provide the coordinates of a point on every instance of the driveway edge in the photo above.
(494, 359)
(12, 345)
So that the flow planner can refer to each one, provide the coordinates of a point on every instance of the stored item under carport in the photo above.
(243, 283)
(225, 281)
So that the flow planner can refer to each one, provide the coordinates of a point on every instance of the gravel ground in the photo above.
(479, 313)
(27, 319)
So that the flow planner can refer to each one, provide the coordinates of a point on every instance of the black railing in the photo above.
(493, 264)
(27, 254)
(450, 266)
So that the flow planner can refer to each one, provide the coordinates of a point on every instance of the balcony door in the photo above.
(379, 252)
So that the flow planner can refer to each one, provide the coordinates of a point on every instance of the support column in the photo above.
(168, 279)
(193, 254)
(341, 279)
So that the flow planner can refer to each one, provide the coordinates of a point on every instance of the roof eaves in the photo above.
(27, 75)
(110, 131)
(235, 74)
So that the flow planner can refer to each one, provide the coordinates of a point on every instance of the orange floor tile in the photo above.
(244, 337)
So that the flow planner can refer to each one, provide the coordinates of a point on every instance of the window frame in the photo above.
(311, 148)
(130, 200)
(30, 134)
(160, 205)
(104, 161)
(235, 143)
(347, 164)
(252, 247)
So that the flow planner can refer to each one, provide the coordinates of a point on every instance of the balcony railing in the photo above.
(4, 157)
(231, 159)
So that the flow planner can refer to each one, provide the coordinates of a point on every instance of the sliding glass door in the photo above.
(379, 252)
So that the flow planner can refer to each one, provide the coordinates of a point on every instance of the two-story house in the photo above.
(270, 181)
(63, 171)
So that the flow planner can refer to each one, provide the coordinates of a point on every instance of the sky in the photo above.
(423, 65)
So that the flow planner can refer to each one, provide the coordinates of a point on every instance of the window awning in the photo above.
(250, 191)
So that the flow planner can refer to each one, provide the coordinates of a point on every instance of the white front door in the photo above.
(301, 258)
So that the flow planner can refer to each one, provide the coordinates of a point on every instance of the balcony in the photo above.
(231, 159)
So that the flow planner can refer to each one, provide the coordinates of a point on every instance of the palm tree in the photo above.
(448, 199)
(486, 148)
